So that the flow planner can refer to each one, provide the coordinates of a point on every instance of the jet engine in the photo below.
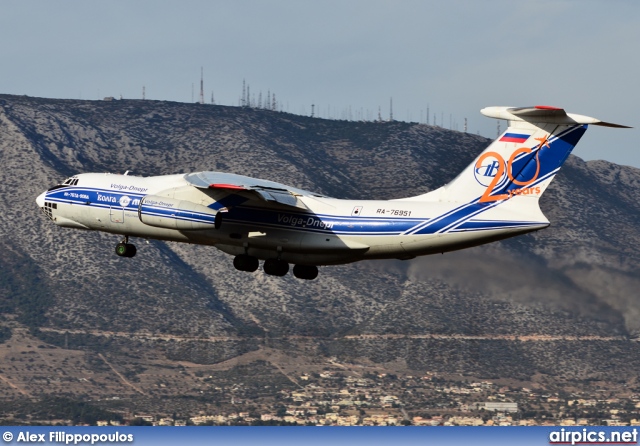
(171, 213)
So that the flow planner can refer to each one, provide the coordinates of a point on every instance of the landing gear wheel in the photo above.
(307, 272)
(131, 250)
(244, 262)
(125, 249)
(275, 267)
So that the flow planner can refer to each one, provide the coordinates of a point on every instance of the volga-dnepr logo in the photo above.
(486, 172)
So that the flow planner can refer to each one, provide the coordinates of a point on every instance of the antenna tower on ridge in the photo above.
(244, 93)
(201, 85)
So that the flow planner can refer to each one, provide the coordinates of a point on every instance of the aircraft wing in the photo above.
(264, 190)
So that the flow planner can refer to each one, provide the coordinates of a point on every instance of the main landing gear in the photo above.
(245, 262)
(307, 272)
(126, 249)
(274, 267)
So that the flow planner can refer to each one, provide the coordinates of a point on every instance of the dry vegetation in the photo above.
(83, 323)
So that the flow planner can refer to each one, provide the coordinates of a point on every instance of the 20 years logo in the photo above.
(493, 169)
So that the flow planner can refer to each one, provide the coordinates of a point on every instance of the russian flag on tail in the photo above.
(514, 137)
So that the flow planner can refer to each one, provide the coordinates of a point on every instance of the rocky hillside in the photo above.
(576, 280)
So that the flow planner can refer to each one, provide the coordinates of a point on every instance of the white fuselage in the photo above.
(328, 231)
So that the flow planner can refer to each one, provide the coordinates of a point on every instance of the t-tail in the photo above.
(523, 161)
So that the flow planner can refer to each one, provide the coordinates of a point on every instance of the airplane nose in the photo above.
(40, 199)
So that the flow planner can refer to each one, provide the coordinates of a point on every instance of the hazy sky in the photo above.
(454, 57)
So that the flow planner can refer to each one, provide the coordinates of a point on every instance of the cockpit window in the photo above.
(73, 181)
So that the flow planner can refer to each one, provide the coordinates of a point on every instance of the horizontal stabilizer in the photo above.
(543, 114)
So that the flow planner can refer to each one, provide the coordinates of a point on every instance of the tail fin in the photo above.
(524, 159)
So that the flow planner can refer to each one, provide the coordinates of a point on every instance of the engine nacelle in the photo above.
(171, 213)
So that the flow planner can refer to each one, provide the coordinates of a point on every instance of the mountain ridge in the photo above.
(576, 279)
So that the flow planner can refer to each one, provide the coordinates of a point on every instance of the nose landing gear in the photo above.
(126, 249)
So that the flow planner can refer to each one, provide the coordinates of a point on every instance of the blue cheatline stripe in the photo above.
(464, 215)
(355, 218)
(313, 230)
(474, 225)
(451, 217)
(167, 212)
(179, 214)
(321, 223)
(96, 197)
(435, 220)
(489, 228)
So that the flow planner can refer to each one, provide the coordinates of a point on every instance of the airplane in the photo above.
(494, 198)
